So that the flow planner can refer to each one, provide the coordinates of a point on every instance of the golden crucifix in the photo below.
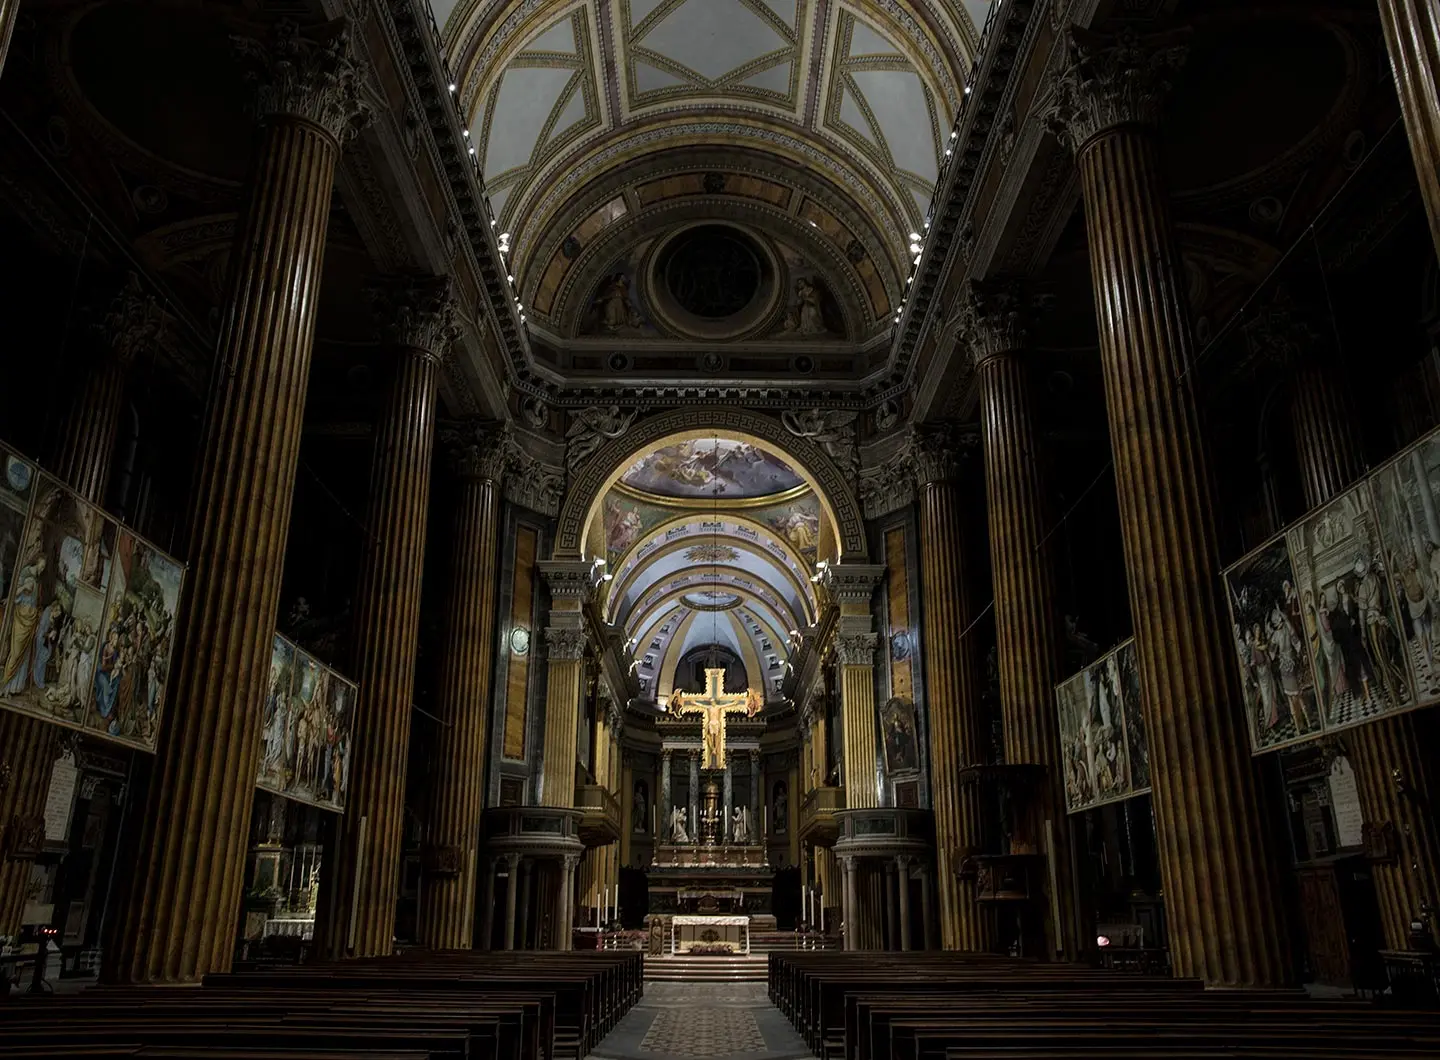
(713, 704)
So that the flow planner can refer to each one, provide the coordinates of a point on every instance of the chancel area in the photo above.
(720, 528)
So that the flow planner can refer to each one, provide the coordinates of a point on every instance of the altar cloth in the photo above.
(687, 931)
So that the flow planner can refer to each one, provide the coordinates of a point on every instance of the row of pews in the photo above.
(454, 1005)
(949, 1006)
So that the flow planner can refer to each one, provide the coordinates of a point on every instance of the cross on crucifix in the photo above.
(713, 704)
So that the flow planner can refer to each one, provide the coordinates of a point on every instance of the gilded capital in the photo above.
(417, 312)
(565, 643)
(479, 450)
(568, 579)
(1106, 81)
(853, 583)
(132, 322)
(855, 649)
(314, 74)
(936, 451)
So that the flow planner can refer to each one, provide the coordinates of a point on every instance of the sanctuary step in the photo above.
(682, 969)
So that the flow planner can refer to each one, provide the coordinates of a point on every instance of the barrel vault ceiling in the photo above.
(606, 127)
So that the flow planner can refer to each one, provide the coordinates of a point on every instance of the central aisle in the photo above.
(730, 1021)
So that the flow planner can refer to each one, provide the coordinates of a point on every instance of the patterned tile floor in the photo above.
(715, 1021)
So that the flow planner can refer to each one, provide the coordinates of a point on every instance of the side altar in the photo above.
(711, 857)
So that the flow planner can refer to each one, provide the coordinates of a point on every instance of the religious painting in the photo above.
(56, 606)
(306, 729)
(626, 521)
(897, 726)
(139, 633)
(1103, 742)
(797, 522)
(1347, 603)
(1282, 687)
(17, 487)
(1405, 497)
(711, 468)
(811, 311)
(615, 308)
(780, 808)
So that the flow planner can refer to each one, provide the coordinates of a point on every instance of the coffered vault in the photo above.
(811, 130)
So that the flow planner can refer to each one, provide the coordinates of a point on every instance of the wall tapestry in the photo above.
(1332, 619)
(306, 731)
(1102, 734)
(87, 611)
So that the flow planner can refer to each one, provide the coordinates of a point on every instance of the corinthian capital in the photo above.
(855, 649)
(564, 643)
(315, 74)
(568, 579)
(996, 317)
(482, 450)
(417, 312)
(936, 451)
(132, 321)
(1107, 81)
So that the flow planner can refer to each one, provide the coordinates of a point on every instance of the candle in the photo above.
(822, 917)
(617, 903)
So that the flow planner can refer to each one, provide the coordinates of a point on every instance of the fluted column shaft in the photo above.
(857, 700)
(1412, 35)
(447, 905)
(902, 867)
(1026, 617)
(180, 923)
(562, 713)
(851, 910)
(512, 887)
(957, 736)
(1330, 462)
(359, 910)
(1219, 880)
(9, 12)
(28, 748)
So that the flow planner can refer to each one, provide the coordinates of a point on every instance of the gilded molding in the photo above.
(1105, 81)
(317, 78)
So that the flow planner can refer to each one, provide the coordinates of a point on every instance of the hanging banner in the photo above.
(1103, 743)
(305, 735)
(1331, 621)
(89, 611)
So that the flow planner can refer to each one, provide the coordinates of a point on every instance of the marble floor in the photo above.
(723, 1021)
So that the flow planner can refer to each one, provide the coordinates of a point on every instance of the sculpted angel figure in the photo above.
(591, 427)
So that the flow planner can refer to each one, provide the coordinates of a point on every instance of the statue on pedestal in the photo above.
(740, 826)
(678, 833)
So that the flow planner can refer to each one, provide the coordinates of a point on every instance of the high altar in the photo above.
(710, 862)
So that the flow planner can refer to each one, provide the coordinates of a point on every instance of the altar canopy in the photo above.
(713, 705)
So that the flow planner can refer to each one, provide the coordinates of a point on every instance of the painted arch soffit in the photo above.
(550, 88)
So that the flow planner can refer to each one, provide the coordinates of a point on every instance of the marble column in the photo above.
(1412, 36)
(29, 747)
(792, 810)
(693, 826)
(1396, 770)
(180, 921)
(958, 736)
(662, 797)
(528, 870)
(757, 816)
(1022, 569)
(565, 916)
(627, 807)
(512, 890)
(902, 867)
(849, 912)
(571, 584)
(1221, 891)
(478, 456)
(892, 906)
(728, 796)
(418, 317)
(9, 12)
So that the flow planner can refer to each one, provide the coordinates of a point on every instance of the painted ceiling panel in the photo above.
(640, 10)
(853, 116)
(574, 111)
(784, 8)
(649, 78)
(897, 99)
(527, 96)
(776, 79)
(865, 41)
(712, 37)
(558, 38)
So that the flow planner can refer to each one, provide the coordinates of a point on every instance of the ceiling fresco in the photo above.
(712, 469)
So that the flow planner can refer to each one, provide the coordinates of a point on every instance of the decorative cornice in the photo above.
(936, 451)
(853, 583)
(568, 579)
(535, 485)
(564, 643)
(417, 312)
(1105, 81)
(479, 450)
(132, 322)
(315, 77)
(855, 649)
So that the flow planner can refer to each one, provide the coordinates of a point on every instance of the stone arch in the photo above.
(590, 482)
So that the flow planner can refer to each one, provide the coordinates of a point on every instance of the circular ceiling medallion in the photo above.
(712, 271)
(711, 600)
